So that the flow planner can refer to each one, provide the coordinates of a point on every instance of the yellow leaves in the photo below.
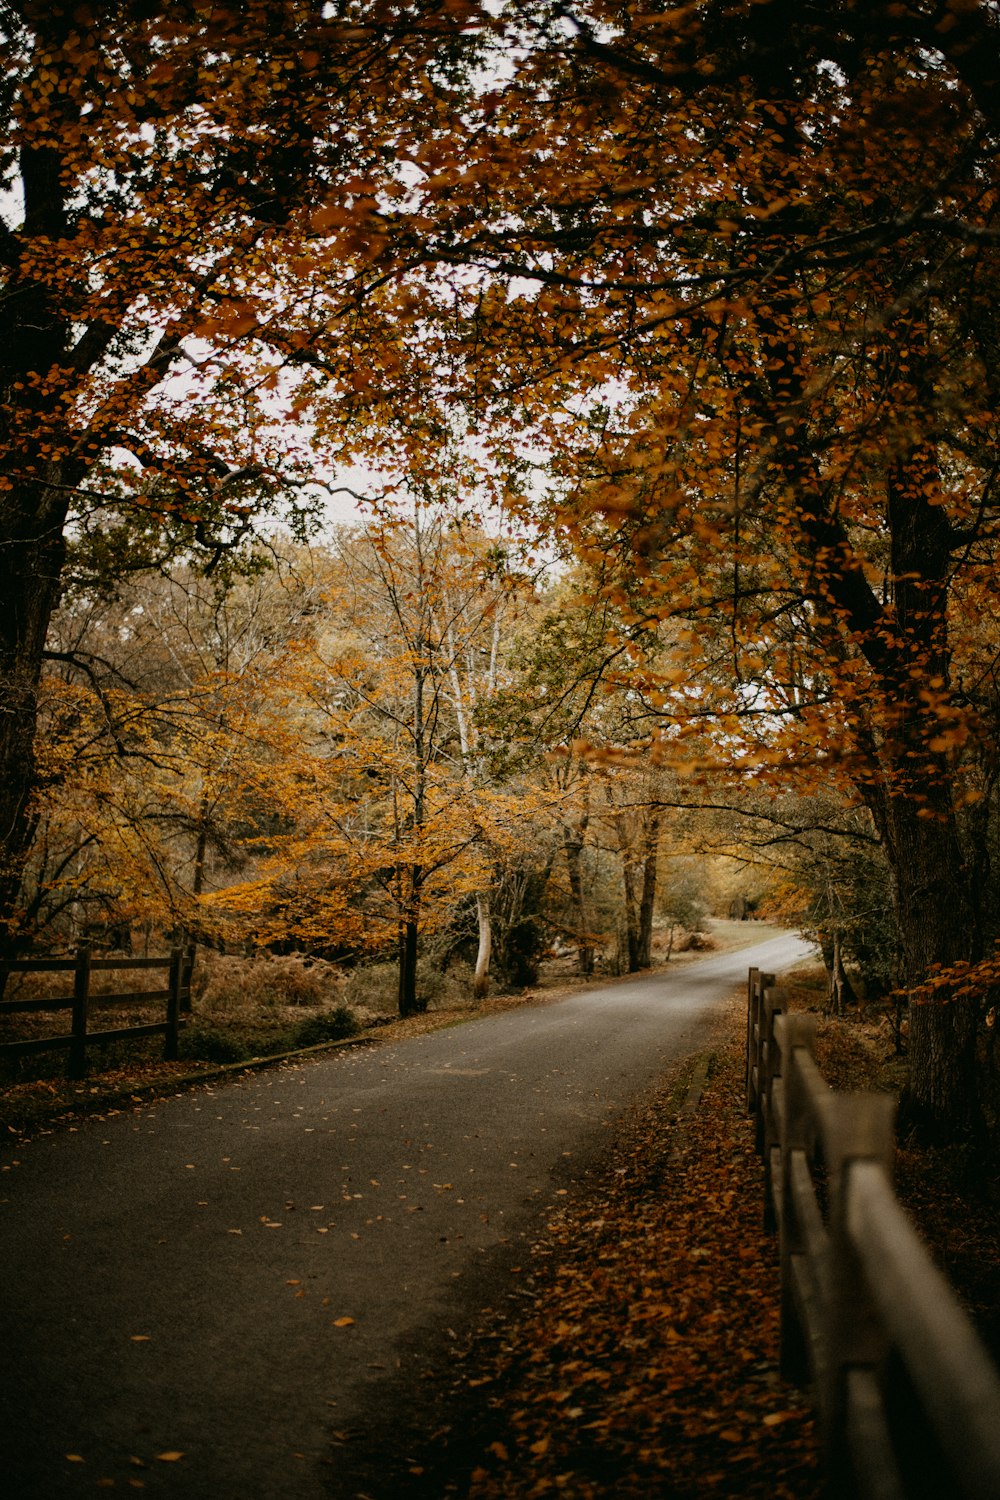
(952, 738)
(776, 1418)
(342, 1323)
(231, 320)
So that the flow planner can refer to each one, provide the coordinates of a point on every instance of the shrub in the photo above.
(331, 1026)
(374, 988)
(209, 1044)
(224, 983)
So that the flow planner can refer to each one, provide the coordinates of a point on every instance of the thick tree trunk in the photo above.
(630, 882)
(409, 1001)
(639, 880)
(651, 849)
(933, 912)
(30, 565)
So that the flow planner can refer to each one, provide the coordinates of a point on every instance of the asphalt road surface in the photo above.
(199, 1293)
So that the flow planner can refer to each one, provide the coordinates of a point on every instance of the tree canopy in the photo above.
(707, 295)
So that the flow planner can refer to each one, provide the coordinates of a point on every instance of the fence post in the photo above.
(855, 1127)
(174, 985)
(753, 982)
(796, 1135)
(770, 1078)
(190, 950)
(758, 1055)
(77, 1065)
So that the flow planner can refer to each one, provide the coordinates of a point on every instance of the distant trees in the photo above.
(394, 819)
(167, 726)
(347, 750)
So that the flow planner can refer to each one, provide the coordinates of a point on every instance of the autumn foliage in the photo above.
(706, 296)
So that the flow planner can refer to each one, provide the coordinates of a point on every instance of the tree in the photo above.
(752, 318)
(167, 729)
(635, 818)
(182, 186)
(727, 273)
(396, 821)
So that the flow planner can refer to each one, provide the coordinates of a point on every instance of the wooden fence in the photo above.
(178, 964)
(908, 1398)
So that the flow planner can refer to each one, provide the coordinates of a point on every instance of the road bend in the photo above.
(198, 1292)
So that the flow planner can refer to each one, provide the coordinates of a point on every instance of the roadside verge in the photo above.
(643, 1358)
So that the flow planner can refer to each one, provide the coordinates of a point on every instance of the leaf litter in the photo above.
(645, 1360)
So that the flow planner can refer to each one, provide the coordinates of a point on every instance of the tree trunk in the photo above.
(651, 842)
(933, 915)
(481, 982)
(200, 848)
(409, 1002)
(631, 913)
(841, 992)
(573, 846)
(30, 567)
(933, 908)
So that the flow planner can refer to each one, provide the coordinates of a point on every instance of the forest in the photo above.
(659, 351)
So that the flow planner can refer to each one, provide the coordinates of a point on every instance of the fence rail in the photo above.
(908, 1398)
(178, 964)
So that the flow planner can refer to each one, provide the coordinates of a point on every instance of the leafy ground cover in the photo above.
(646, 1362)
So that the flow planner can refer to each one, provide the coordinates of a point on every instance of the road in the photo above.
(234, 1273)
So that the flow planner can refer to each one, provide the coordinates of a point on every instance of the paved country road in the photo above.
(206, 1275)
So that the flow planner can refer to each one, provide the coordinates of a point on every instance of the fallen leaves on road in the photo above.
(647, 1361)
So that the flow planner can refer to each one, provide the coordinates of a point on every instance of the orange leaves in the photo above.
(331, 216)
(647, 1360)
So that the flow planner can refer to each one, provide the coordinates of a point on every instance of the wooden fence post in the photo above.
(753, 986)
(756, 1080)
(174, 985)
(77, 1065)
(855, 1127)
(190, 952)
(797, 1149)
(770, 1075)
